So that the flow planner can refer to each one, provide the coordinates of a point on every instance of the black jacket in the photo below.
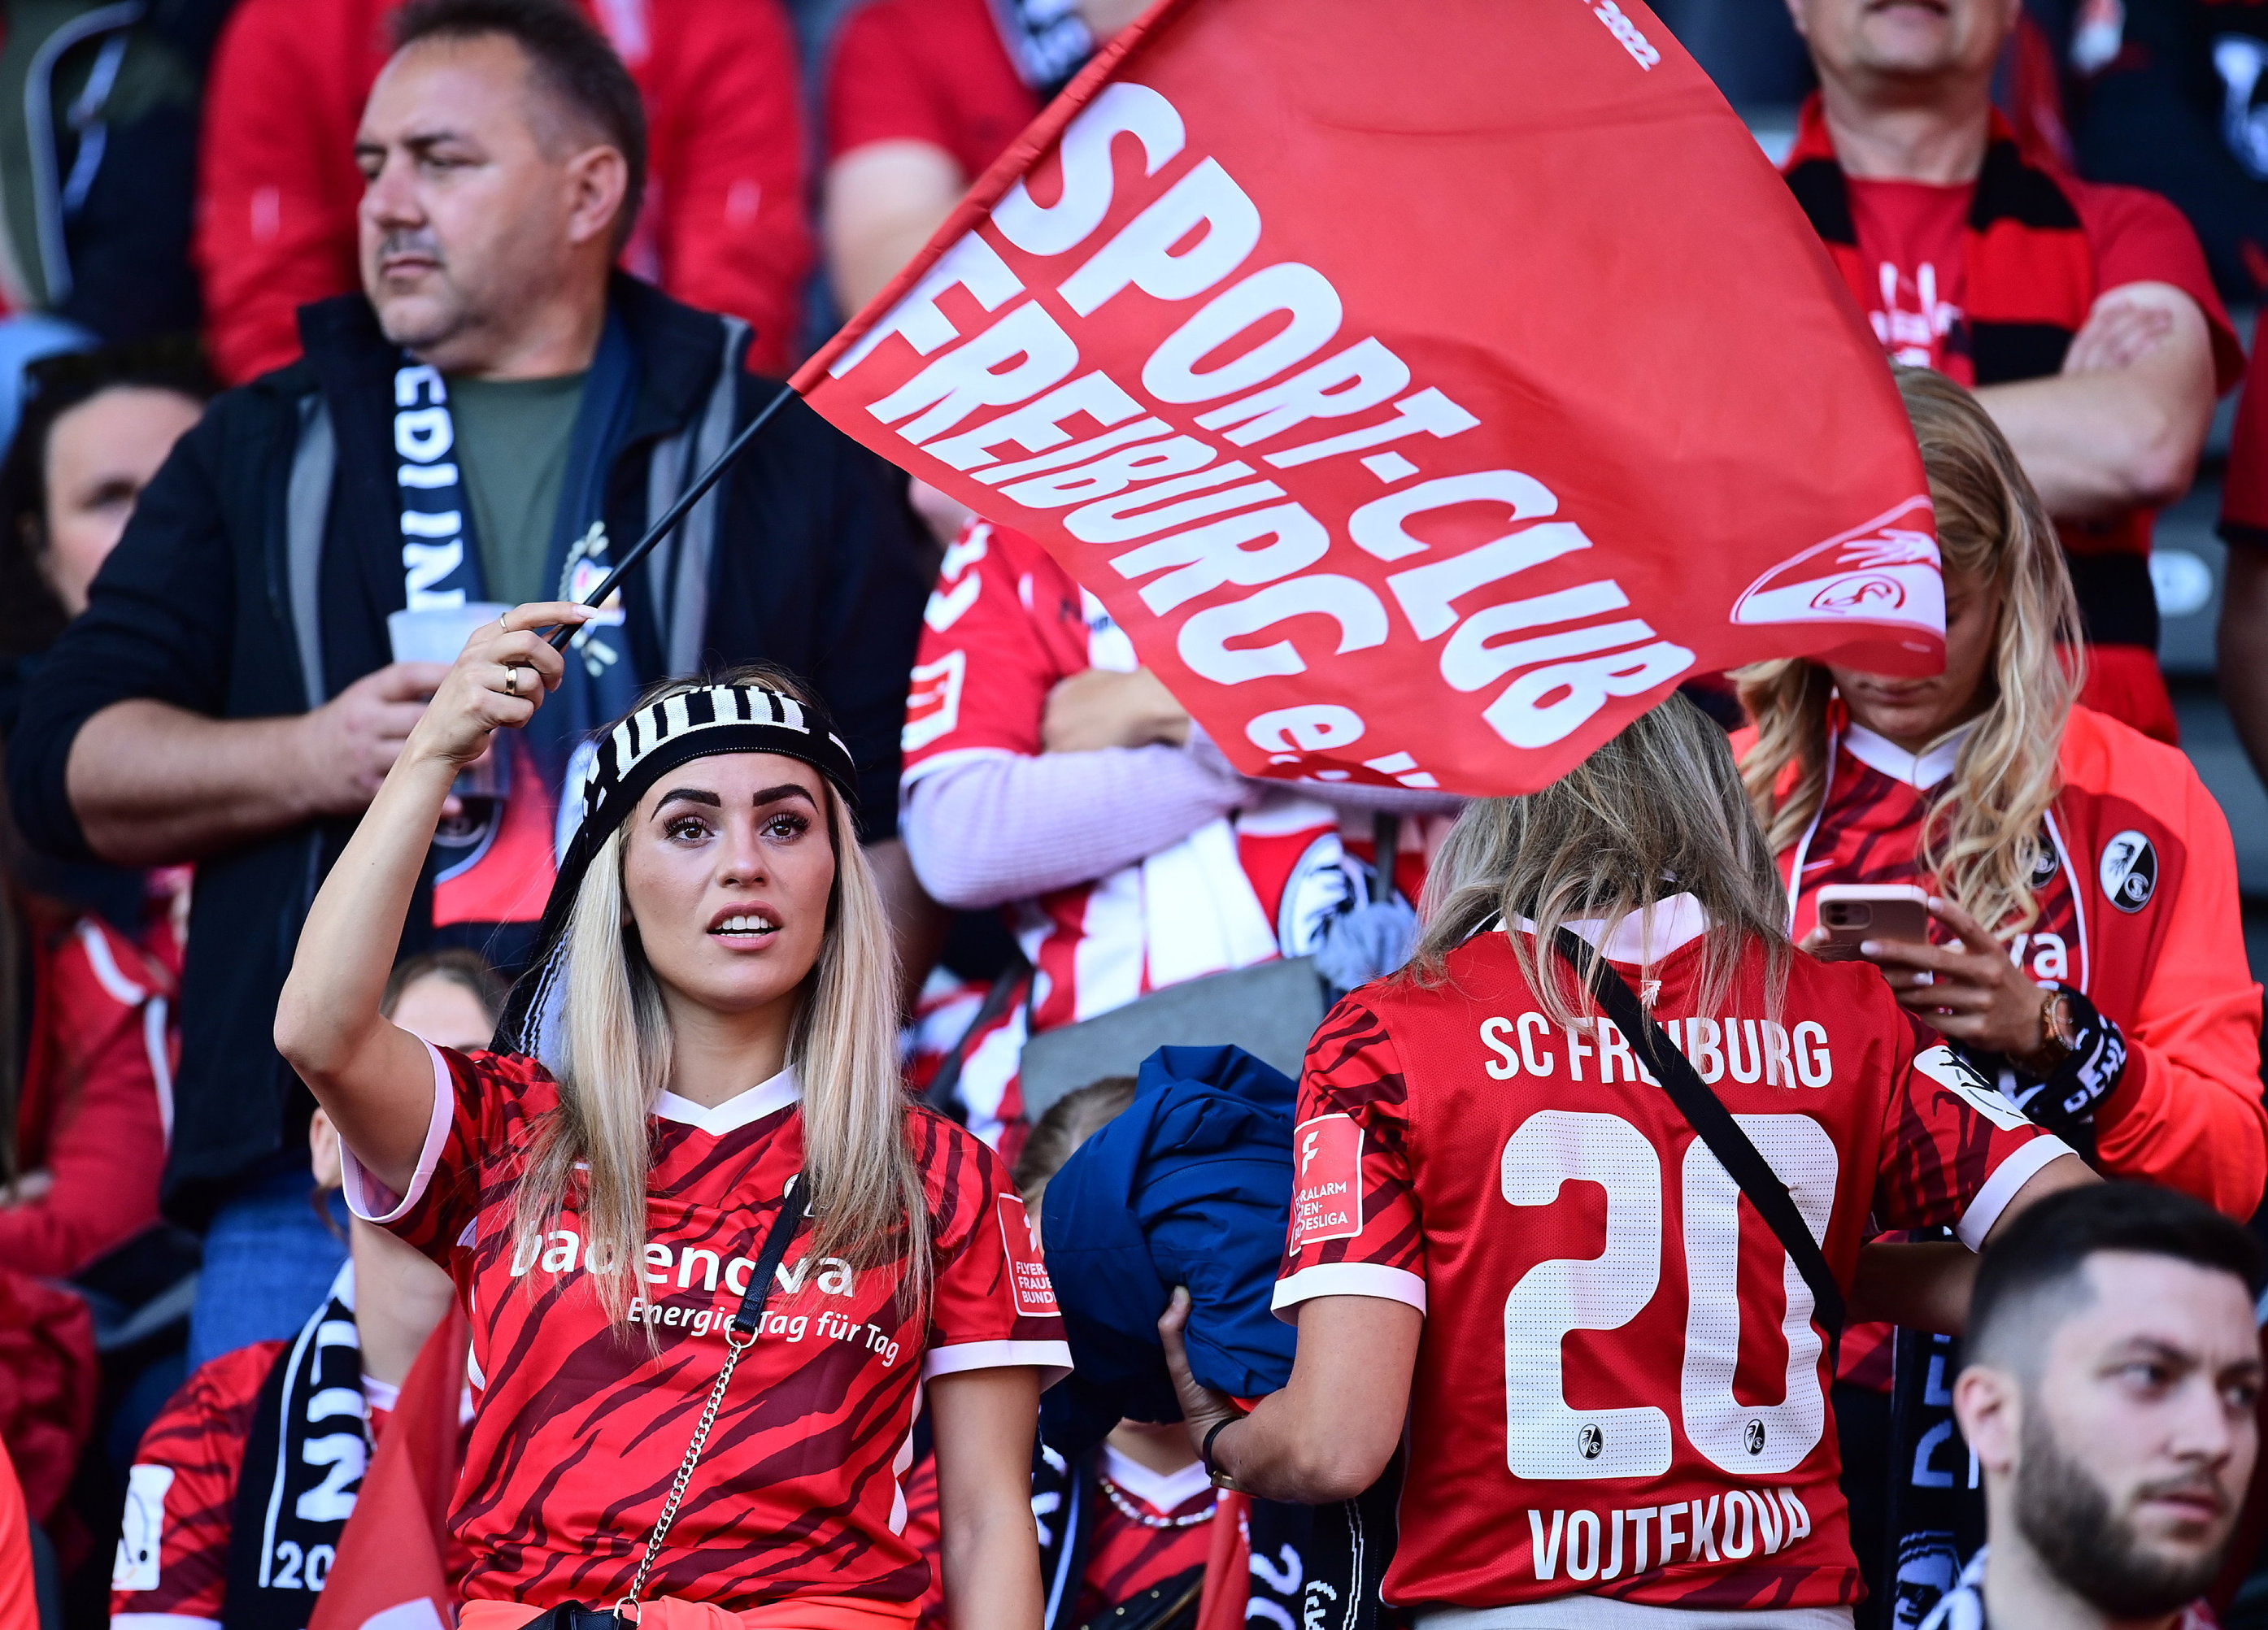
(813, 568)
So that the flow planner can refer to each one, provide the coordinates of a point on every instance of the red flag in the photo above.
(390, 1572)
(1426, 391)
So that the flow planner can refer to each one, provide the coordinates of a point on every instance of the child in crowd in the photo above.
(1142, 1532)
(205, 1477)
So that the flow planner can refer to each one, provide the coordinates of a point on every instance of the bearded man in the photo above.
(2110, 1397)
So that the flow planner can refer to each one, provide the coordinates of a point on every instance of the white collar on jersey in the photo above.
(1643, 936)
(1161, 1491)
(1920, 771)
(741, 1109)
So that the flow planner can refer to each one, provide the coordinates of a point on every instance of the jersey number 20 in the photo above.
(1547, 1439)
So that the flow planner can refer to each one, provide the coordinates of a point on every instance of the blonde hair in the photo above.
(860, 1178)
(1656, 812)
(1980, 837)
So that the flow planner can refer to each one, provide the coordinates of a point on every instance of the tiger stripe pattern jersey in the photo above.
(582, 1424)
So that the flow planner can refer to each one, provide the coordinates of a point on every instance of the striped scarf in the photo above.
(2029, 270)
(2029, 282)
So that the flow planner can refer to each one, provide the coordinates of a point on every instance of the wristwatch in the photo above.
(2058, 1034)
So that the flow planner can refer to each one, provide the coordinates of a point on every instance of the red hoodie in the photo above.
(723, 228)
(2139, 913)
(98, 1094)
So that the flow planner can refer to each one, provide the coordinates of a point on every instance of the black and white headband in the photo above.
(626, 762)
(699, 724)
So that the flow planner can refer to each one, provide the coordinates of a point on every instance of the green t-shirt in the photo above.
(513, 437)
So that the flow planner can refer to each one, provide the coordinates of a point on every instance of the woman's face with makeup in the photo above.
(726, 870)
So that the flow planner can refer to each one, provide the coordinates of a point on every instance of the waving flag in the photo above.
(1426, 391)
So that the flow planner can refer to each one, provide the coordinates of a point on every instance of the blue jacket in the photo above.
(1191, 1186)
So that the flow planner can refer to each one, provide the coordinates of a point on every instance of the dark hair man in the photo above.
(2083, 316)
(2113, 1371)
(277, 188)
(488, 421)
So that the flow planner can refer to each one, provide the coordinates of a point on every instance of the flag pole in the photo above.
(661, 528)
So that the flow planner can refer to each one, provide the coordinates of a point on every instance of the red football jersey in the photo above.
(1621, 1388)
(171, 1571)
(1868, 830)
(934, 72)
(1911, 275)
(180, 1496)
(1163, 1528)
(1170, 1532)
(582, 1425)
(1003, 627)
(2136, 894)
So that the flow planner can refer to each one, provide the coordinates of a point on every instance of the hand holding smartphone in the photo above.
(1850, 914)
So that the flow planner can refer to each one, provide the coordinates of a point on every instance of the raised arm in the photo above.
(372, 1075)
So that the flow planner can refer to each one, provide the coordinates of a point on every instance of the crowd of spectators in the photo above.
(332, 330)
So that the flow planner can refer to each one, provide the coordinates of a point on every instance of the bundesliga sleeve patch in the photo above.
(1035, 1294)
(1948, 1069)
(1327, 1180)
(142, 1542)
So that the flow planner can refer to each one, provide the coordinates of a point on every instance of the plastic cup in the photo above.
(439, 634)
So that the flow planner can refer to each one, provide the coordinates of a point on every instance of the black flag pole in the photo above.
(1388, 831)
(662, 528)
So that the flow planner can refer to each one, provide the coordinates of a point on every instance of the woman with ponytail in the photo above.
(696, 1082)
(2087, 948)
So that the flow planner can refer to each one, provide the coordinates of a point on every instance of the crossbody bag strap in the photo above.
(1707, 1115)
(740, 1336)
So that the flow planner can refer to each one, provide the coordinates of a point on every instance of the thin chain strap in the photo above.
(740, 1336)
(626, 1608)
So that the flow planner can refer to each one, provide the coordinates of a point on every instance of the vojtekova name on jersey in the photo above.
(1585, 1545)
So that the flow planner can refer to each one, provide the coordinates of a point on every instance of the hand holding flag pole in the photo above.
(677, 512)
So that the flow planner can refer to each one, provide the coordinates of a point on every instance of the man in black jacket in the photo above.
(501, 412)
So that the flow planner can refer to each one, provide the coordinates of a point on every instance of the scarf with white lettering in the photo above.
(440, 556)
(303, 1467)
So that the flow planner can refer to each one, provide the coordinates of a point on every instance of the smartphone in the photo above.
(1852, 912)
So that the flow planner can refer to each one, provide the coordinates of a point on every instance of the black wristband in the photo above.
(1205, 1453)
(2096, 1063)
(2065, 1098)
